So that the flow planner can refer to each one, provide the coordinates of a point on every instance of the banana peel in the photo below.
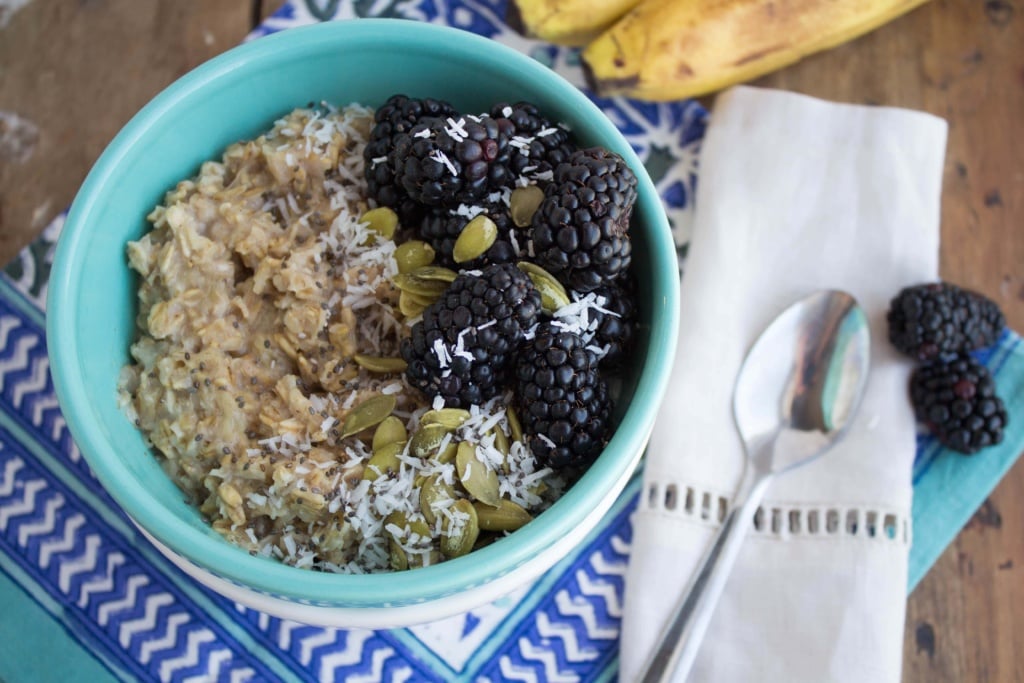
(565, 22)
(674, 49)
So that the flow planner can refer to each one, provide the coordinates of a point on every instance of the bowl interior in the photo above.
(92, 304)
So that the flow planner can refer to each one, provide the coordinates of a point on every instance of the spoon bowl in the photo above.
(796, 394)
(801, 382)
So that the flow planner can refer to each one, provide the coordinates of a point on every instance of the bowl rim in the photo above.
(369, 590)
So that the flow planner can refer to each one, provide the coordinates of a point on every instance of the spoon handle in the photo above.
(676, 650)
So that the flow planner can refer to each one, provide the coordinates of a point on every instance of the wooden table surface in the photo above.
(72, 73)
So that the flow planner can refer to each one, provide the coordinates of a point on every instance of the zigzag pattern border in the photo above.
(338, 654)
(26, 387)
(106, 590)
(573, 632)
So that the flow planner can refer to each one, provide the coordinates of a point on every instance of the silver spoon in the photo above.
(796, 393)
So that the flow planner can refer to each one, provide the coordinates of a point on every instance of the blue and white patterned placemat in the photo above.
(85, 598)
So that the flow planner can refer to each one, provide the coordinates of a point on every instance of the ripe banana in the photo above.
(672, 49)
(565, 22)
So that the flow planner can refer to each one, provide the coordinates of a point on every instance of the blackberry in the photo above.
(441, 227)
(395, 117)
(957, 401)
(581, 229)
(448, 161)
(604, 318)
(462, 348)
(538, 145)
(561, 399)
(935, 320)
(615, 324)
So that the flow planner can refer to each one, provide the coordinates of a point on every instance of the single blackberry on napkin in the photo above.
(462, 348)
(935, 320)
(957, 401)
(581, 228)
(397, 116)
(561, 399)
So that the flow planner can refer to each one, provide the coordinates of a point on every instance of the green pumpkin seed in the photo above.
(479, 480)
(389, 450)
(390, 430)
(419, 299)
(501, 442)
(426, 439)
(551, 297)
(475, 239)
(396, 556)
(412, 255)
(382, 221)
(523, 204)
(434, 490)
(452, 418)
(462, 540)
(383, 461)
(401, 520)
(379, 363)
(448, 454)
(513, 424)
(552, 294)
(369, 413)
(435, 274)
(397, 518)
(399, 558)
(411, 305)
(413, 284)
(507, 516)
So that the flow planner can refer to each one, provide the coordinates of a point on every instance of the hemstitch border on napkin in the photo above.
(702, 505)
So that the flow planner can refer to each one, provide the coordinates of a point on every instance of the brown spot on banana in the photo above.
(754, 56)
(683, 70)
(608, 85)
(619, 60)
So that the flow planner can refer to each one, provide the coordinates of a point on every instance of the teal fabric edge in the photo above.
(954, 486)
(22, 658)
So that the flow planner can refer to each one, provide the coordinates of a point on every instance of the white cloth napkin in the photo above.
(795, 194)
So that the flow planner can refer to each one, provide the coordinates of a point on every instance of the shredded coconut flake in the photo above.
(456, 129)
(442, 158)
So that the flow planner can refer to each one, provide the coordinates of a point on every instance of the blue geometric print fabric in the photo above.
(76, 573)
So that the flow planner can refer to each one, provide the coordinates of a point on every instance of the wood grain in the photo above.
(79, 70)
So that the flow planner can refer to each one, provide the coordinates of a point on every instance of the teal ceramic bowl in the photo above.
(92, 300)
